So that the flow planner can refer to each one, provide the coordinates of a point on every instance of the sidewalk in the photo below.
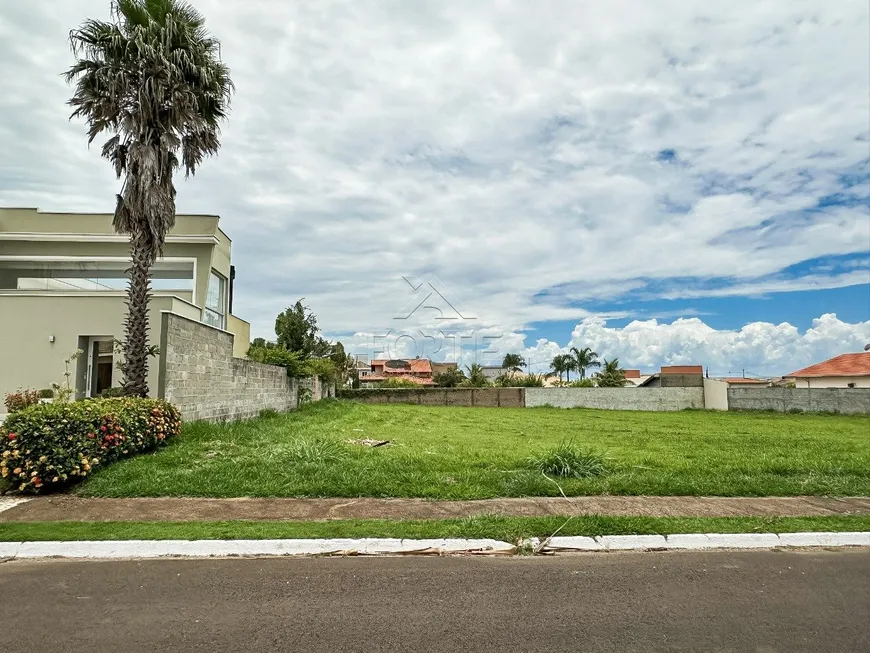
(69, 508)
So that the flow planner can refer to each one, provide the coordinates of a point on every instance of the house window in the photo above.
(851, 385)
(214, 313)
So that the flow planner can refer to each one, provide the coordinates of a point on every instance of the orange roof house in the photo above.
(843, 371)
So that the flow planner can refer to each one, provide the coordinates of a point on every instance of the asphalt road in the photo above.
(670, 601)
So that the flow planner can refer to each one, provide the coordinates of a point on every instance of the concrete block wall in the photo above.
(654, 399)
(846, 401)
(199, 374)
(482, 397)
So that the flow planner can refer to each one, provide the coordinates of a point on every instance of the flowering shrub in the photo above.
(16, 401)
(50, 445)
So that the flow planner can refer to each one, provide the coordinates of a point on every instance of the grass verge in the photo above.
(478, 453)
(508, 529)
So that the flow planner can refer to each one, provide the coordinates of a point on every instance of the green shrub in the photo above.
(399, 383)
(18, 401)
(314, 451)
(110, 393)
(50, 445)
(566, 460)
(513, 380)
(582, 383)
(46, 393)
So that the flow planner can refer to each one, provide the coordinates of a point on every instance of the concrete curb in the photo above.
(139, 549)
(699, 541)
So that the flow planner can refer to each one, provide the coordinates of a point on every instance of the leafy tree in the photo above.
(151, 79)
(584, 359)
(450, 378)
(611, 376)
(561, 364)
(513, 362)
(296, 329)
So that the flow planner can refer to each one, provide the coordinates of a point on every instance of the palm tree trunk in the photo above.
(135, 366)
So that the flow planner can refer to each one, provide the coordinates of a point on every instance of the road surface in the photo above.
(667, 601)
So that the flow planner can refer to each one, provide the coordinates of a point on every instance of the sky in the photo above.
(672, 182)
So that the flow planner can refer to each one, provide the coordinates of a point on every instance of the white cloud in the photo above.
(759, 348)
(506, 147)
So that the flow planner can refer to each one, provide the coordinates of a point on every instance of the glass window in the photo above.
(214, 313)
(93, 275)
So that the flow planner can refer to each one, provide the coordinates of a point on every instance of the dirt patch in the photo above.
(69, 508)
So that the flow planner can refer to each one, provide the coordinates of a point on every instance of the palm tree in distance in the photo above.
(513, 362)
(561, 363)
(584, 359)
(611, 375)
(152, 80)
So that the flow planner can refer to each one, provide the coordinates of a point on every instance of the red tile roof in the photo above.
(682, 369)
(373, 378)
(740, 380)
(632, 374)
(842, 365)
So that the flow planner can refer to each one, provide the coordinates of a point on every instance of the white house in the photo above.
(843, 371)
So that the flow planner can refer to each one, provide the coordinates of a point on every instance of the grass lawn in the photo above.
(475, 453)
(506, 529)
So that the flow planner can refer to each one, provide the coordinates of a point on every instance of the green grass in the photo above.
(508, 529)
(475, 453)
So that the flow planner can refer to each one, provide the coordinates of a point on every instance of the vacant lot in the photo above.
(473, 453)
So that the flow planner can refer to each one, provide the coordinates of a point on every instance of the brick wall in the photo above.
(199, 374)
(846, 401)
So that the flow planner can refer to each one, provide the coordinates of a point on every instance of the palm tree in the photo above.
(513, 362)
(611, 375)
(584, 359)
(476, 377)
(560, 364)
(153, 81)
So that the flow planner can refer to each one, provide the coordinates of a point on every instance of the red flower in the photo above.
(91, 436)
(103, 428)
(12, 436)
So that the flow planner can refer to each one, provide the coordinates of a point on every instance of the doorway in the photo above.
(101, 364)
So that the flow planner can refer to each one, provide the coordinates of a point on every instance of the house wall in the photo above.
(199, 374)
(715, 394)
(241, 331)
(847, 401)
(654, 399)
(833, 382)
(29, 319)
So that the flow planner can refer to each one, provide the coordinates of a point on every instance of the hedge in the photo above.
(51, 445)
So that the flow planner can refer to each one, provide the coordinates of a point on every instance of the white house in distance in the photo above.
(843, 371)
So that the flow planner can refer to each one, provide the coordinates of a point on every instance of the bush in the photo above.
(569, 461)
(50, 445)
(111, 393)
(398, 383)
(46, 393)
(512, 380)
(582, 383)
(18, 401)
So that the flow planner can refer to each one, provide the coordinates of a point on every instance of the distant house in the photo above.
(675, 376)
(492, 372)
(742, 382)
(843, 371)
(416, 370)
(440, 368)
(635, 378)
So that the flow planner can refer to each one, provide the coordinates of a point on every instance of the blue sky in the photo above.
(566, 172)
